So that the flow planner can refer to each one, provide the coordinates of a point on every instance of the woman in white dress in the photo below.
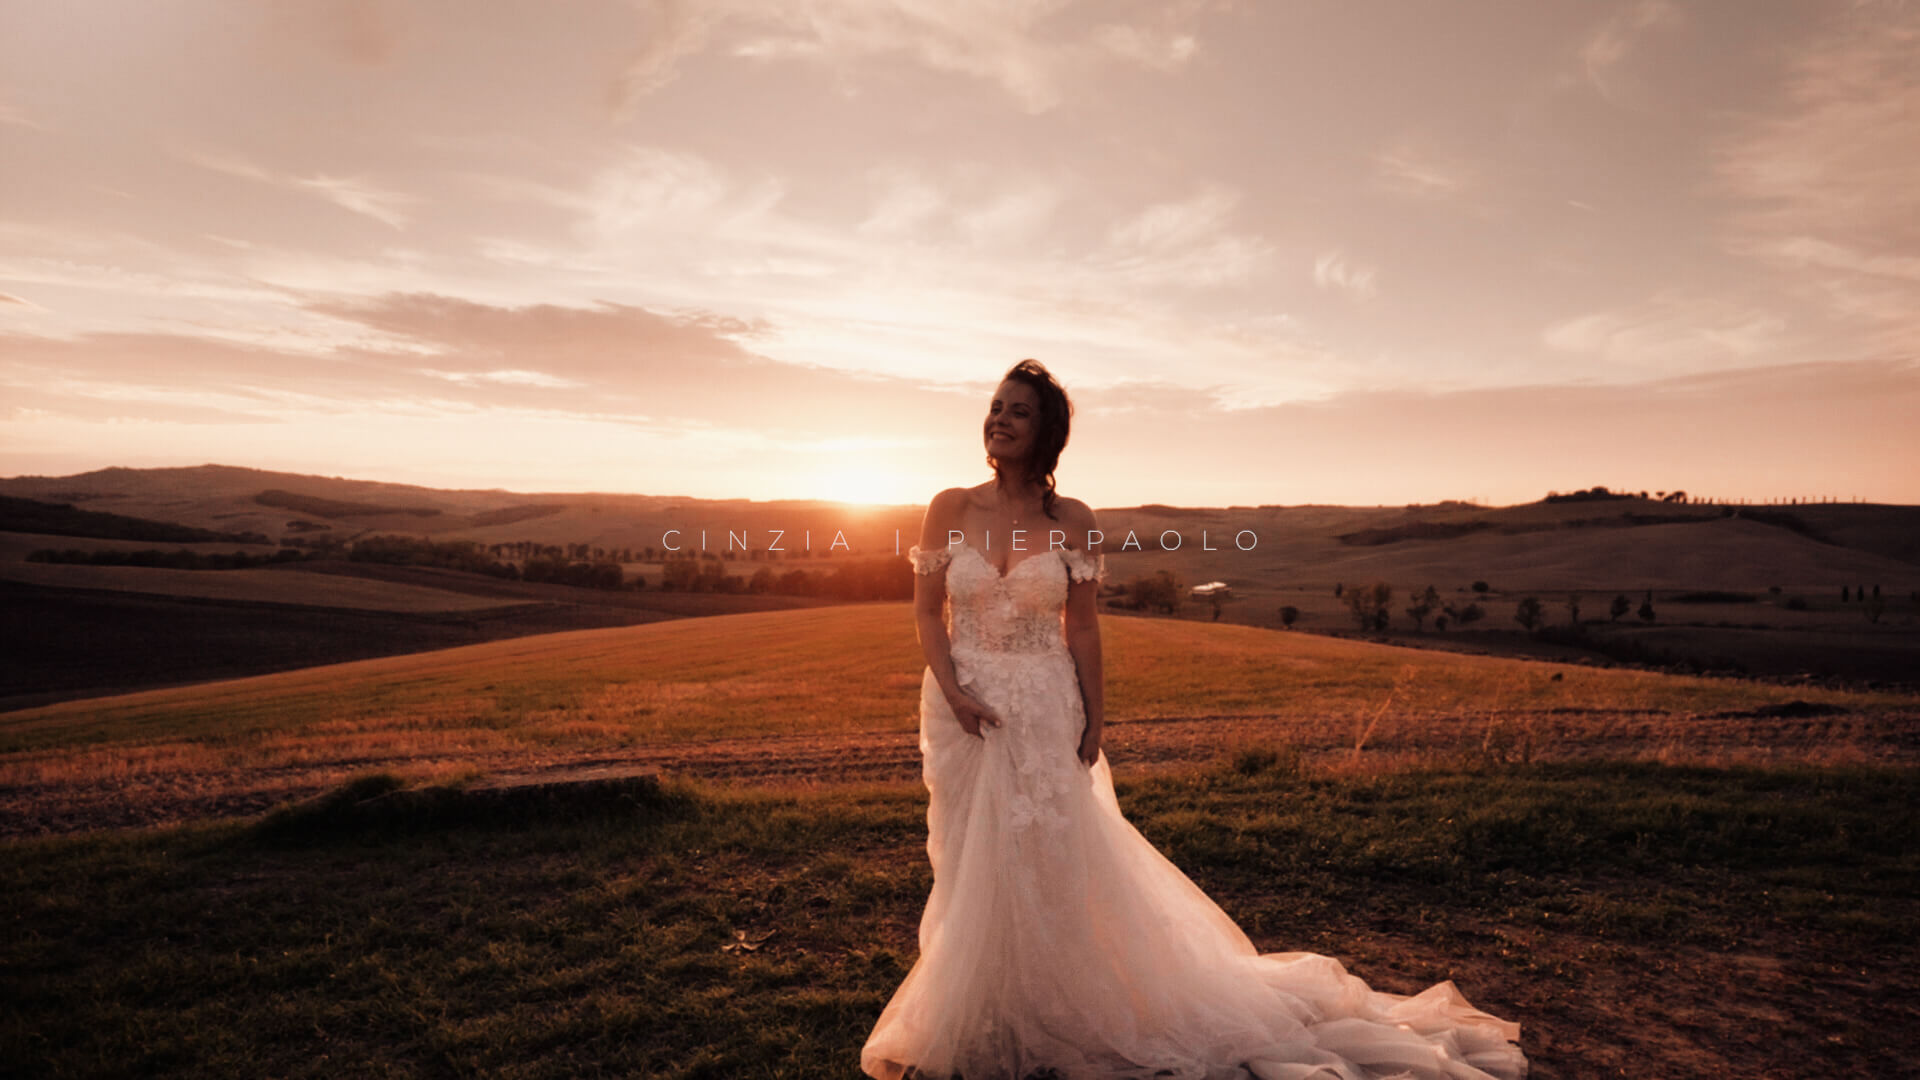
(1057, 941)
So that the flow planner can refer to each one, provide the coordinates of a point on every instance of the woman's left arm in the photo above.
(1082, 628)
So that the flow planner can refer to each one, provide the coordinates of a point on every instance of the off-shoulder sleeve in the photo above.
(1084, 567)
(928, 562)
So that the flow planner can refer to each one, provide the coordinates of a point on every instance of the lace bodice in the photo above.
(1019, 612)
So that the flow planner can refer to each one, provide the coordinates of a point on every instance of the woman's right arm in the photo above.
(929, 596)
(930, 592)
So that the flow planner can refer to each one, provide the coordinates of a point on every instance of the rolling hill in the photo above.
(1797, 558)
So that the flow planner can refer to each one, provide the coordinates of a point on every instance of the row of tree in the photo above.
(1371, 606)
(1597, 493)
(885, 578)
(180, 559)
(527, 549)
(1682, 497)
(1531, 614)
(548, 565)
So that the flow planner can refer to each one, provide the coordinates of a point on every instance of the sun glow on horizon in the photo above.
(865, 486)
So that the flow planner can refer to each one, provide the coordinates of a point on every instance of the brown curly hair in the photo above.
(1056, 418)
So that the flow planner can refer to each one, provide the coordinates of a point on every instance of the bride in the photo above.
(1057, 942)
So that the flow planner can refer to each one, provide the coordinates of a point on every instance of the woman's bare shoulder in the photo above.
(1078, 519)
(945, 511)
(950, 501)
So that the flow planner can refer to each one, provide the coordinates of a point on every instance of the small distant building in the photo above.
(1210, 589)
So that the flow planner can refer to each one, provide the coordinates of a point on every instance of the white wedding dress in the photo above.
(1058, 942)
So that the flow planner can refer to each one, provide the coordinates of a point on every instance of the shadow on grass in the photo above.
(1638, 919)
(381, 805)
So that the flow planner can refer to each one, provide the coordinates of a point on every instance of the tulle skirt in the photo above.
(1058, 942)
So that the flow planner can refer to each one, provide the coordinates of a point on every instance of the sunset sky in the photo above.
(1282, 252)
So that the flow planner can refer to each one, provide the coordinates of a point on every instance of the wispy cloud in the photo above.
(12, 115)
(1808, 251)
(68, 273)
(944, 262)
(1827, 188)
(359, 196)
(1161, 50)
(1604, 56)
(606, 343)
(905, 204)
(1179, 224)
(649, 189)
(349, 193)
(1016, 46)
(228, 165)
(1408, 170)
(1012, 217)
(1675, 332)
(1332, 271)
(670, 29)
(505, 377)
(118, 403)
(1838, 160)
(1186, 242)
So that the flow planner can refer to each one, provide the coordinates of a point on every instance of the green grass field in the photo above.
(831, 669)
(1636, 919)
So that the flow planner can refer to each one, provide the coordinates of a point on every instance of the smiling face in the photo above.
(1013, 419)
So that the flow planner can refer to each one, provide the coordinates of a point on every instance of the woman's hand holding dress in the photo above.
(1090, 745)
(971, 713)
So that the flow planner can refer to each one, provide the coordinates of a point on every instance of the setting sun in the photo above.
(858, 486)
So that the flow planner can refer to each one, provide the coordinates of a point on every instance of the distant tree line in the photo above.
(861, 578)
(465, 555)
(560, 571)
(852, 580)
(528, 549)
(1874, 607)
(551, 565)
(1594, 493)
(180, 559)
(1598, 493)
(1371, 605)
(592, 566)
